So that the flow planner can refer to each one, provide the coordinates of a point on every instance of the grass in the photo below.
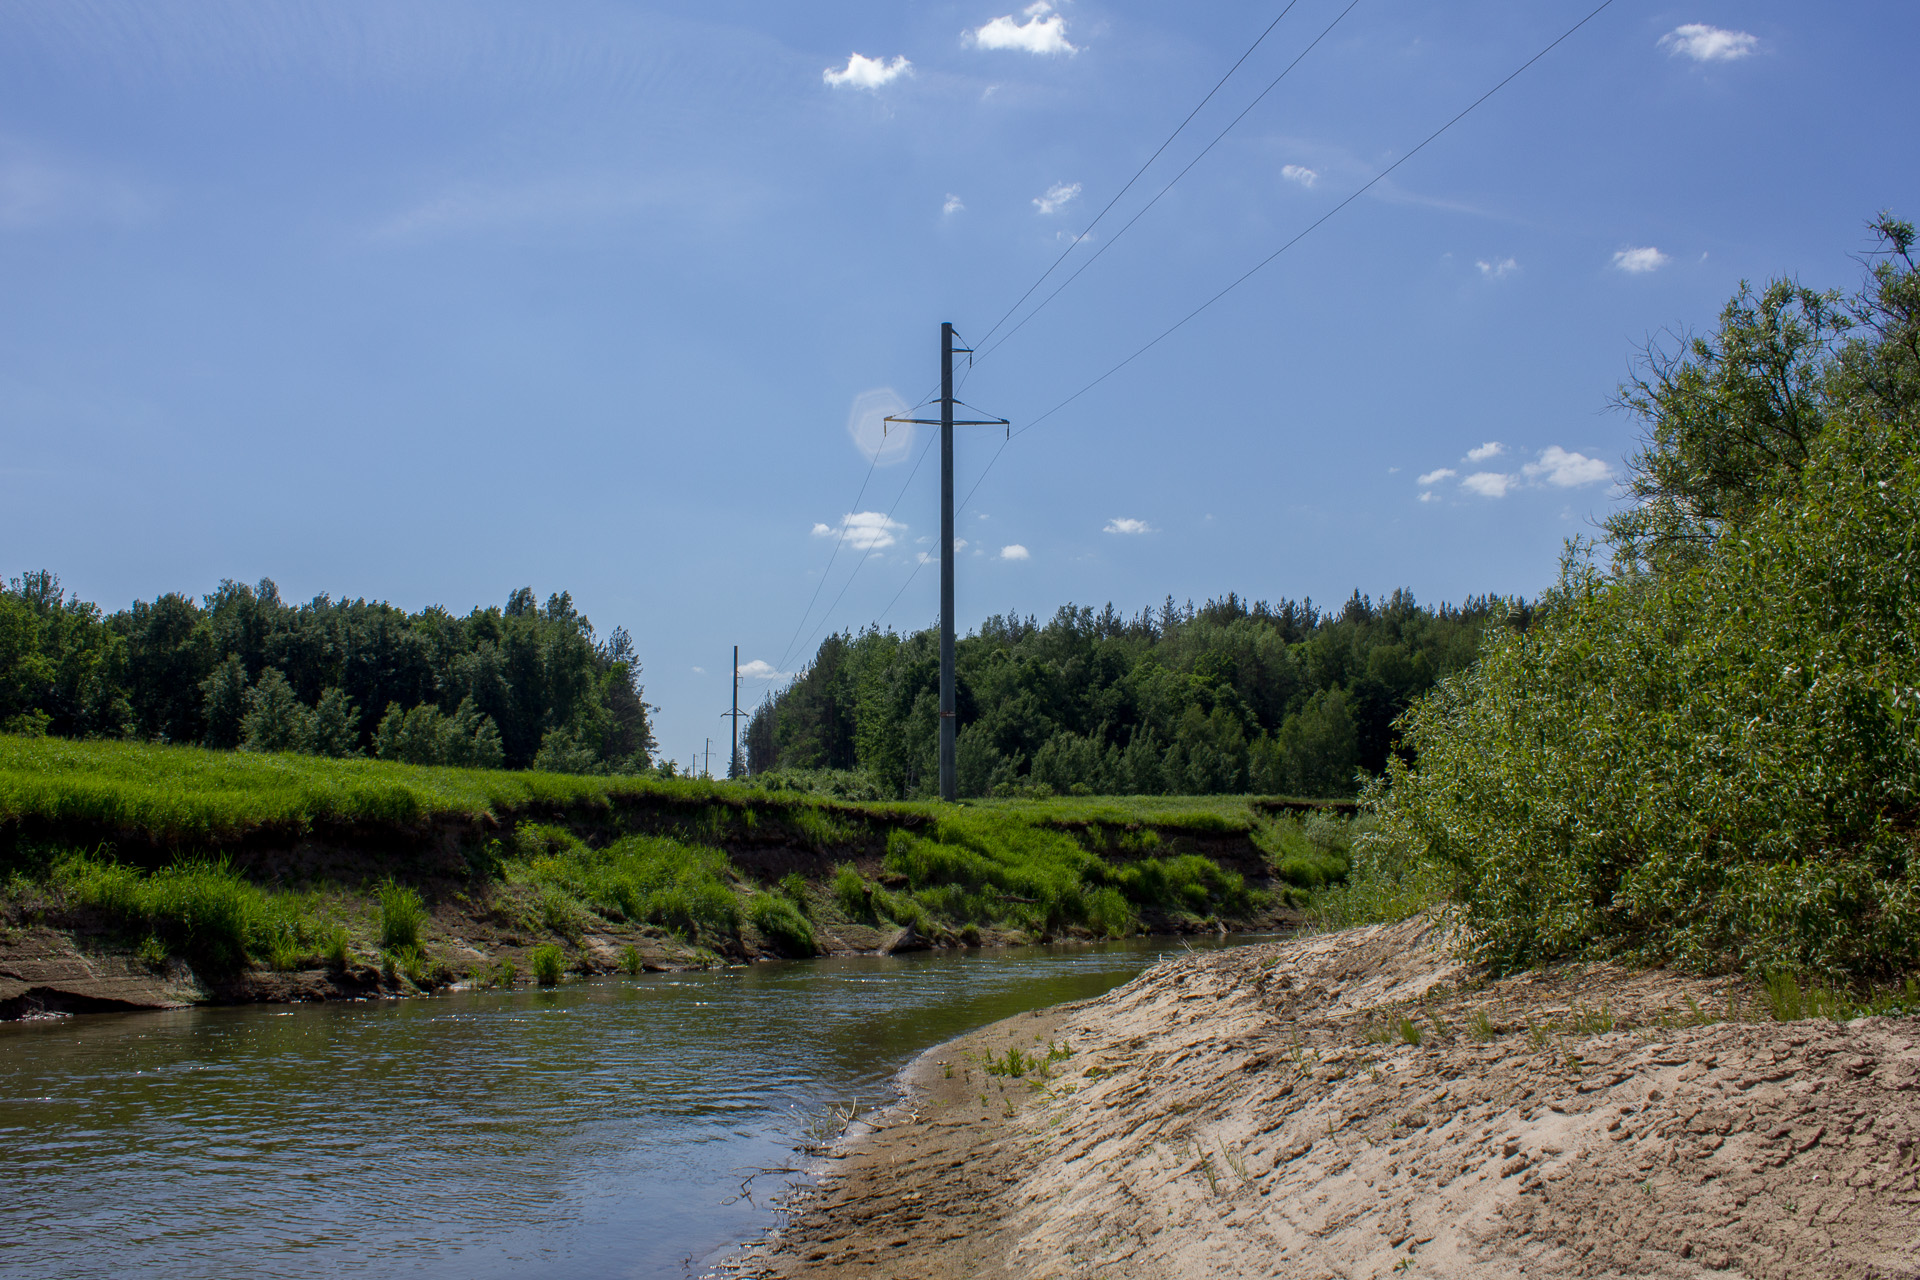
(401, 915)
(131, 833)
(547, 964)
(781, 923)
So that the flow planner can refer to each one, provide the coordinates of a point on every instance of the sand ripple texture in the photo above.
(1261, 1112)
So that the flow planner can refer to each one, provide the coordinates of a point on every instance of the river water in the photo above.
(594, 1130)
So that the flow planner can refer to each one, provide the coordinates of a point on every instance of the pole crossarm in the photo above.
(957, 422)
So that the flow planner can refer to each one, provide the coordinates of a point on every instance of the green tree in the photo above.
(275, 719)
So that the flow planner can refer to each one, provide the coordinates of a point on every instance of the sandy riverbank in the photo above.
(1261, 1112)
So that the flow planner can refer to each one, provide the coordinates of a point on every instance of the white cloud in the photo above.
(866, 73)
(1044, 31)
(760, 670)
(1491, 449)
(1703, 43)
(1488, 484)
(1428, 497)
(1640, 261)
(1015, 552)
(865, 530)
(1057, 197)
(953, 204)
(1125, 524)
(1503, 267)
(699, 671)
(1301, 174)
(1435, 477)
(1567, 470)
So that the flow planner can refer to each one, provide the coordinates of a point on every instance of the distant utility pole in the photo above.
(949, 774)
(733, 761)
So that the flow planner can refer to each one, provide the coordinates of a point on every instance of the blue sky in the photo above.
(426, 301)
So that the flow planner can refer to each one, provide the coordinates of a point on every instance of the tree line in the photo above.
(519, 686)
(1231, 697)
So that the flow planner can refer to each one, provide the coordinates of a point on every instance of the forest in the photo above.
(1232, 697)
(524, 686)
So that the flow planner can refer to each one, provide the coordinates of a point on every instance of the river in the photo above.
(596, 1130)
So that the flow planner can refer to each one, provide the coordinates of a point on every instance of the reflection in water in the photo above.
(588, 1131)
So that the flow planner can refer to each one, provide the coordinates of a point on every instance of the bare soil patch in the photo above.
(1265, 1111)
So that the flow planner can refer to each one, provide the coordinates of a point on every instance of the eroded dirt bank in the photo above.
(1261, 1112)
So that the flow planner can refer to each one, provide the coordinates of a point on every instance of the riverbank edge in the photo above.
(1360, 1104)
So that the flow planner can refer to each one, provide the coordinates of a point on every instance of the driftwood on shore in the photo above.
(1356, 1104)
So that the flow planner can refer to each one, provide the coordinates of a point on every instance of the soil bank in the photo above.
(1263, 1112)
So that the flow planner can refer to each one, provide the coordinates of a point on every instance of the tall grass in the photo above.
(199, 909)
(642, 879)
(401, 914)
(781, 923)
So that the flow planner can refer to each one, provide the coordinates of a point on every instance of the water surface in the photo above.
(595, 1130)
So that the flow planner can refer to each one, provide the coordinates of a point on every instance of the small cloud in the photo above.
(953, 205)
(759, 670)
(866, 73)
(1567, 470)
(1488, 484)
(1301, 174)
(1491, 449)
(1015, 552)
(1044, 31)
(1123, 524)
(1703, 43)
(959, 545)
(699, 671)
(1498, 269)
(1638, 262)
(1428, 497)
(1435, 477)
(864, 530)
(1057, 197)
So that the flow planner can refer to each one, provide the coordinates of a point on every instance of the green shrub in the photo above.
(1705, 765)
(401, 915)
(630, 962)
(548, 964)
(781, 923)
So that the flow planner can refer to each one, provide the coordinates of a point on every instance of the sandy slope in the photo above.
(1254, 1112)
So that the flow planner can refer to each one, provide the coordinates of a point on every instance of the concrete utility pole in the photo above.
(734, 760)
(949, 773)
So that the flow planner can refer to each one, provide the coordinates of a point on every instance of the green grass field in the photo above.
(145, 838)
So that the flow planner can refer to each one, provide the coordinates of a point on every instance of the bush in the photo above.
(548, 964)
(781, 923)
(1710, 765)
(630, 962)
(401, 915)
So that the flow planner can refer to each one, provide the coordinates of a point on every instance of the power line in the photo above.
(871, 548)
(1250, 272)
(1115, 238)
(1138, 172)
(815, 598)
(825, 573)
(1315, 224)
